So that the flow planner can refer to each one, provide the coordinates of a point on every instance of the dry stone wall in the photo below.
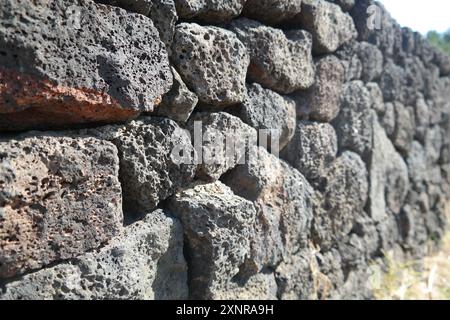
(98, 205)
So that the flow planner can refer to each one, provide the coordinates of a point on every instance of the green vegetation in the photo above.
(441, 40)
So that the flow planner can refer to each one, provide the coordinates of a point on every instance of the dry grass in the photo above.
(403, 281)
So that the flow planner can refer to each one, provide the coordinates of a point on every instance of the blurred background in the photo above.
(430, 17)
(428, 279)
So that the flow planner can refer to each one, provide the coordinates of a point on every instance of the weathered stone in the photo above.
(211, 11)
(422, 118)
(352, 252)
(329, 275)
(442, 60)
(272, 12)
(284, 210)
(433, 145)
(213, 62)
(221, 141)
(146, 262)
(413, 230)
(312, 149)
(279, 60)
(353, 122)
(59, 196)
(217, 229)
(388, 175)
(138, 6)
(267, 110)
(347, 53)
(261, 286)
(329, 26)
(372, 61)
(387, 120)
(417, 165)
(322, 100)
(179, 102)
(377, 98)
(164, 16)
(52, 78)
(156, 160)
(344, 198)
(346, 5)
(295, 277)
(391, 82)
(404, 128)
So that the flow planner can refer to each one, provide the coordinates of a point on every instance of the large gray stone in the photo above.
(353, 122)
(284, 210)
(59, 197)
(210, 11)
(328, 24)
(156, 160)
(221, 141)
(272, 12)
(145, 262)
(388, 174)
(404, 127)
(179, 102)
(279, 60)
(61, 71)
(371, 60)
(312, 150)
(345, 193)
(213, 62)
(321, 101)
(164, 16)
(217, 229)
(267, 110)
(138, 6)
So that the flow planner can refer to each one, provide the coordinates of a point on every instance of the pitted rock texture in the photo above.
(361, 169)
(282, 197)
(278, 60)
(156, 160)
(145, 262)
(264, 109)
(220, 141)
(328, 24)
(210, 11)
(201, 54)
(179, 102)
(272, 12)
(92, 71)
(312, 150)
(321, 102)
(138, 6)
(59, 196)
(217, 228)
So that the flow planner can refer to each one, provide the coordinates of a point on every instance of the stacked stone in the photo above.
(116, 203)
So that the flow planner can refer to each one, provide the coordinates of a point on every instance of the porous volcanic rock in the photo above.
(272, 12)
(145, 262)
(53, 75)
(210, 11)
(59, 196)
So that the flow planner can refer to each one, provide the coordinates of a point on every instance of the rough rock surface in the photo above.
(179, 102)
(328, 24)
(138, 6)
(312, 150)
(210, 11)
(145, 262)
(353, 124)
(53, 75)
(267, 110)
(59, 197)
(284, 210)
(217, 228)
(164, 16)
(213, 62)
(345, 193)
(221, 141)
(272, 12)
(388, 173)
(278, 60)
(321, 101)
(156, 160)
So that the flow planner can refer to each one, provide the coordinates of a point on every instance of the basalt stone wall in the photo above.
(98, 205)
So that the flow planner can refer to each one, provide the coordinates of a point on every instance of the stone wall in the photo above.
(97, 205)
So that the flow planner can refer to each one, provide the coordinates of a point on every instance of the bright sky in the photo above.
(420, 15)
